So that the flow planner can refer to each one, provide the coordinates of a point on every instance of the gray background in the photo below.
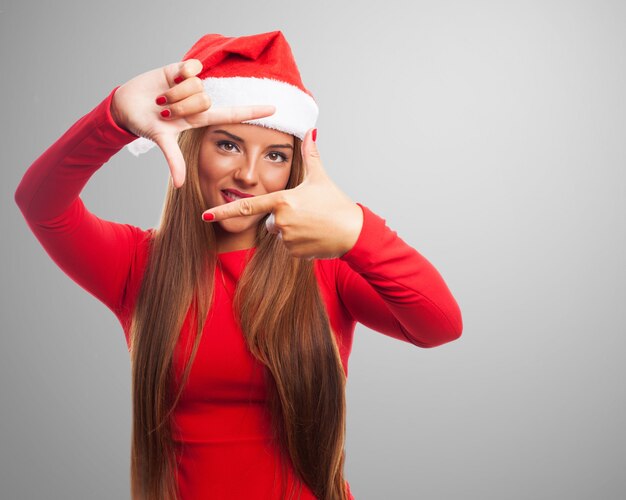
(489, 134)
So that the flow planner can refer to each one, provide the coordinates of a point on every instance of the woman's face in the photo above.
(238, 160)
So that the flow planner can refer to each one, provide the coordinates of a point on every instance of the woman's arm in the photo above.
(95, 253)
(383, 282)
(99, 254)
(388, 286)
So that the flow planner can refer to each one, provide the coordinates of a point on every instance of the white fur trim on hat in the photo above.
(296, 111)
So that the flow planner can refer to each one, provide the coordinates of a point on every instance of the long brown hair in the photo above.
(285, 325)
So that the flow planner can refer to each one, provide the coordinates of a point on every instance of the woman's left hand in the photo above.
(314, 220)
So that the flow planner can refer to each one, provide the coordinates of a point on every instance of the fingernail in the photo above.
(165, 113)
(208, 217)
(178, 79)
(161, 100)
(314, 134)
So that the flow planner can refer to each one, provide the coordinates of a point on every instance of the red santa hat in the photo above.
(255, 69)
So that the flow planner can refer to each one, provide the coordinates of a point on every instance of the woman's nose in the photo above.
(247, 173)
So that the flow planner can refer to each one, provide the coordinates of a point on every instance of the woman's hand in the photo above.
(314, 220)
(179, 92)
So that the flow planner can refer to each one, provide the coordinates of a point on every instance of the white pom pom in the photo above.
(140, 146)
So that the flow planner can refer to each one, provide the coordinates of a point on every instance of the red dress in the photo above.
(221, 425)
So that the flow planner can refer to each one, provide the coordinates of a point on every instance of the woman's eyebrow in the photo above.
(232, 136)
(236, 138)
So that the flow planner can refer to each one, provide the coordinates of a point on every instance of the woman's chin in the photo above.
(239, 226)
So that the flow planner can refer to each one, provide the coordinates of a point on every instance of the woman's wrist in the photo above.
(116, 116)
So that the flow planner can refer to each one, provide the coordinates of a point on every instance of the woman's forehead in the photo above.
(251, 132)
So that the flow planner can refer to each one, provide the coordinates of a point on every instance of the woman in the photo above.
(239, 309)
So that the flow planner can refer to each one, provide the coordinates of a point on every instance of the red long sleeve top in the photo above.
(226, 450)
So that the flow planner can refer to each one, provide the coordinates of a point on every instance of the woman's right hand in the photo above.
(134, 107)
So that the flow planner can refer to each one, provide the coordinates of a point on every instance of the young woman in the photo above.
(239, 309)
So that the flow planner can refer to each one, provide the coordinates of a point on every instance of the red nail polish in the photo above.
(161, 100)
(178, 79)
(165, 113)
(314, 134)
(208, 217)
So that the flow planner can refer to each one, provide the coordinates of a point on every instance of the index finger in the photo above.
(254, 205)
(235, 114)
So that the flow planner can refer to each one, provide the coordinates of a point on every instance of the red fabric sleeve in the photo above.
(389, 287)
(97, 254)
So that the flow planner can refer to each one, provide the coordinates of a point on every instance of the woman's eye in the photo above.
(277, 157)
(227, 146)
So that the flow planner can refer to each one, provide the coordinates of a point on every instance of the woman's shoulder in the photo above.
(143, 239)
(326, 272)
(139, 260)
(143, 244)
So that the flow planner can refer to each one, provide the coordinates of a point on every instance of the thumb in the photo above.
(174, 157)
(311, 155)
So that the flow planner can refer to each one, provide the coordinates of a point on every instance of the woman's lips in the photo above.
(231, 195)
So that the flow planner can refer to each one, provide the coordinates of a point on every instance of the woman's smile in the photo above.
(234, 195)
